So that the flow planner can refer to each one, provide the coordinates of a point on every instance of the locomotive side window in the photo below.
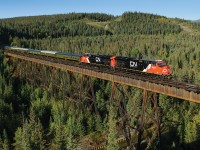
(162, 64)
(153, 63)
(87, 54)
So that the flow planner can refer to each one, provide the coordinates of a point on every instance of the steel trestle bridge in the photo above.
(148, 82)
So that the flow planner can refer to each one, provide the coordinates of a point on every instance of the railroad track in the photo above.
(143, 76)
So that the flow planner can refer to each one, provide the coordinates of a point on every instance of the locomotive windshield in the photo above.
(87, 54)
(162, 64)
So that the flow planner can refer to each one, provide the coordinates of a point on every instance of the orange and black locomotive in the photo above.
(150, 66)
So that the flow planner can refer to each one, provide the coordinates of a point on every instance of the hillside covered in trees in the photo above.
(33, 118)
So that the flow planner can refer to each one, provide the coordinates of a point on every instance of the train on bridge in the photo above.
(159, 67)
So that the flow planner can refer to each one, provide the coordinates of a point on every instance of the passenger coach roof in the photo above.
(68, 54)
(103, 56)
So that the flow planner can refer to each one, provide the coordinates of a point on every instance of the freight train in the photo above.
(150, 66)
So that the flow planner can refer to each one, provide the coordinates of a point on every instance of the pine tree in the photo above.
(58, 129)
(1, 143)
(71, 145)
(30, 136)
(36, 133)
(19, 139)
(5, 141)
(60, 138)
(112, 131)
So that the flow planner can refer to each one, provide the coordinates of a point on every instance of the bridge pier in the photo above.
(149, 121)
(147, 130)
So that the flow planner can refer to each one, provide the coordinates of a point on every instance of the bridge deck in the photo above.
(176, 91)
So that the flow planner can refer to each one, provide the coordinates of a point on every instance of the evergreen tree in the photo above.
(112, 131)
(71, 145)
(36, 132)
(58, 128)
(31, 135)
(1, 143)
(59, 141)
(5, 141)
(20, 142)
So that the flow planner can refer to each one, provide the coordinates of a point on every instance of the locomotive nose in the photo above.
(169, 71)
(166, 70)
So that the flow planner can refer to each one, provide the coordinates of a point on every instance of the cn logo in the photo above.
(133, 64)
(97, 59)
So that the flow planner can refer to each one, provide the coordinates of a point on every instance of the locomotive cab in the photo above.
(159, 67)
(164, 68)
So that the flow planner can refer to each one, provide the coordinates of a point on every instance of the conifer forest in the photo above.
(34, 116)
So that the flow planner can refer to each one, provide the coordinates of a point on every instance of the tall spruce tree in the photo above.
(112, 131)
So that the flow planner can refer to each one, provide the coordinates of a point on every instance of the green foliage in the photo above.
(4, 141)
(20, 143)
(134, 104)
(60, 137)
(63, 131)
(78, 122)
(191, 126)
(112, 131)
(141, 23)
(182, 122)
(1, 144)
(100, 125)
(101, 103)
(41, 106)
(54, 26)
(71, 144)
(30, 136)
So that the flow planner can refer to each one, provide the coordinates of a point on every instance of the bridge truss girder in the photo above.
(52, 79)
